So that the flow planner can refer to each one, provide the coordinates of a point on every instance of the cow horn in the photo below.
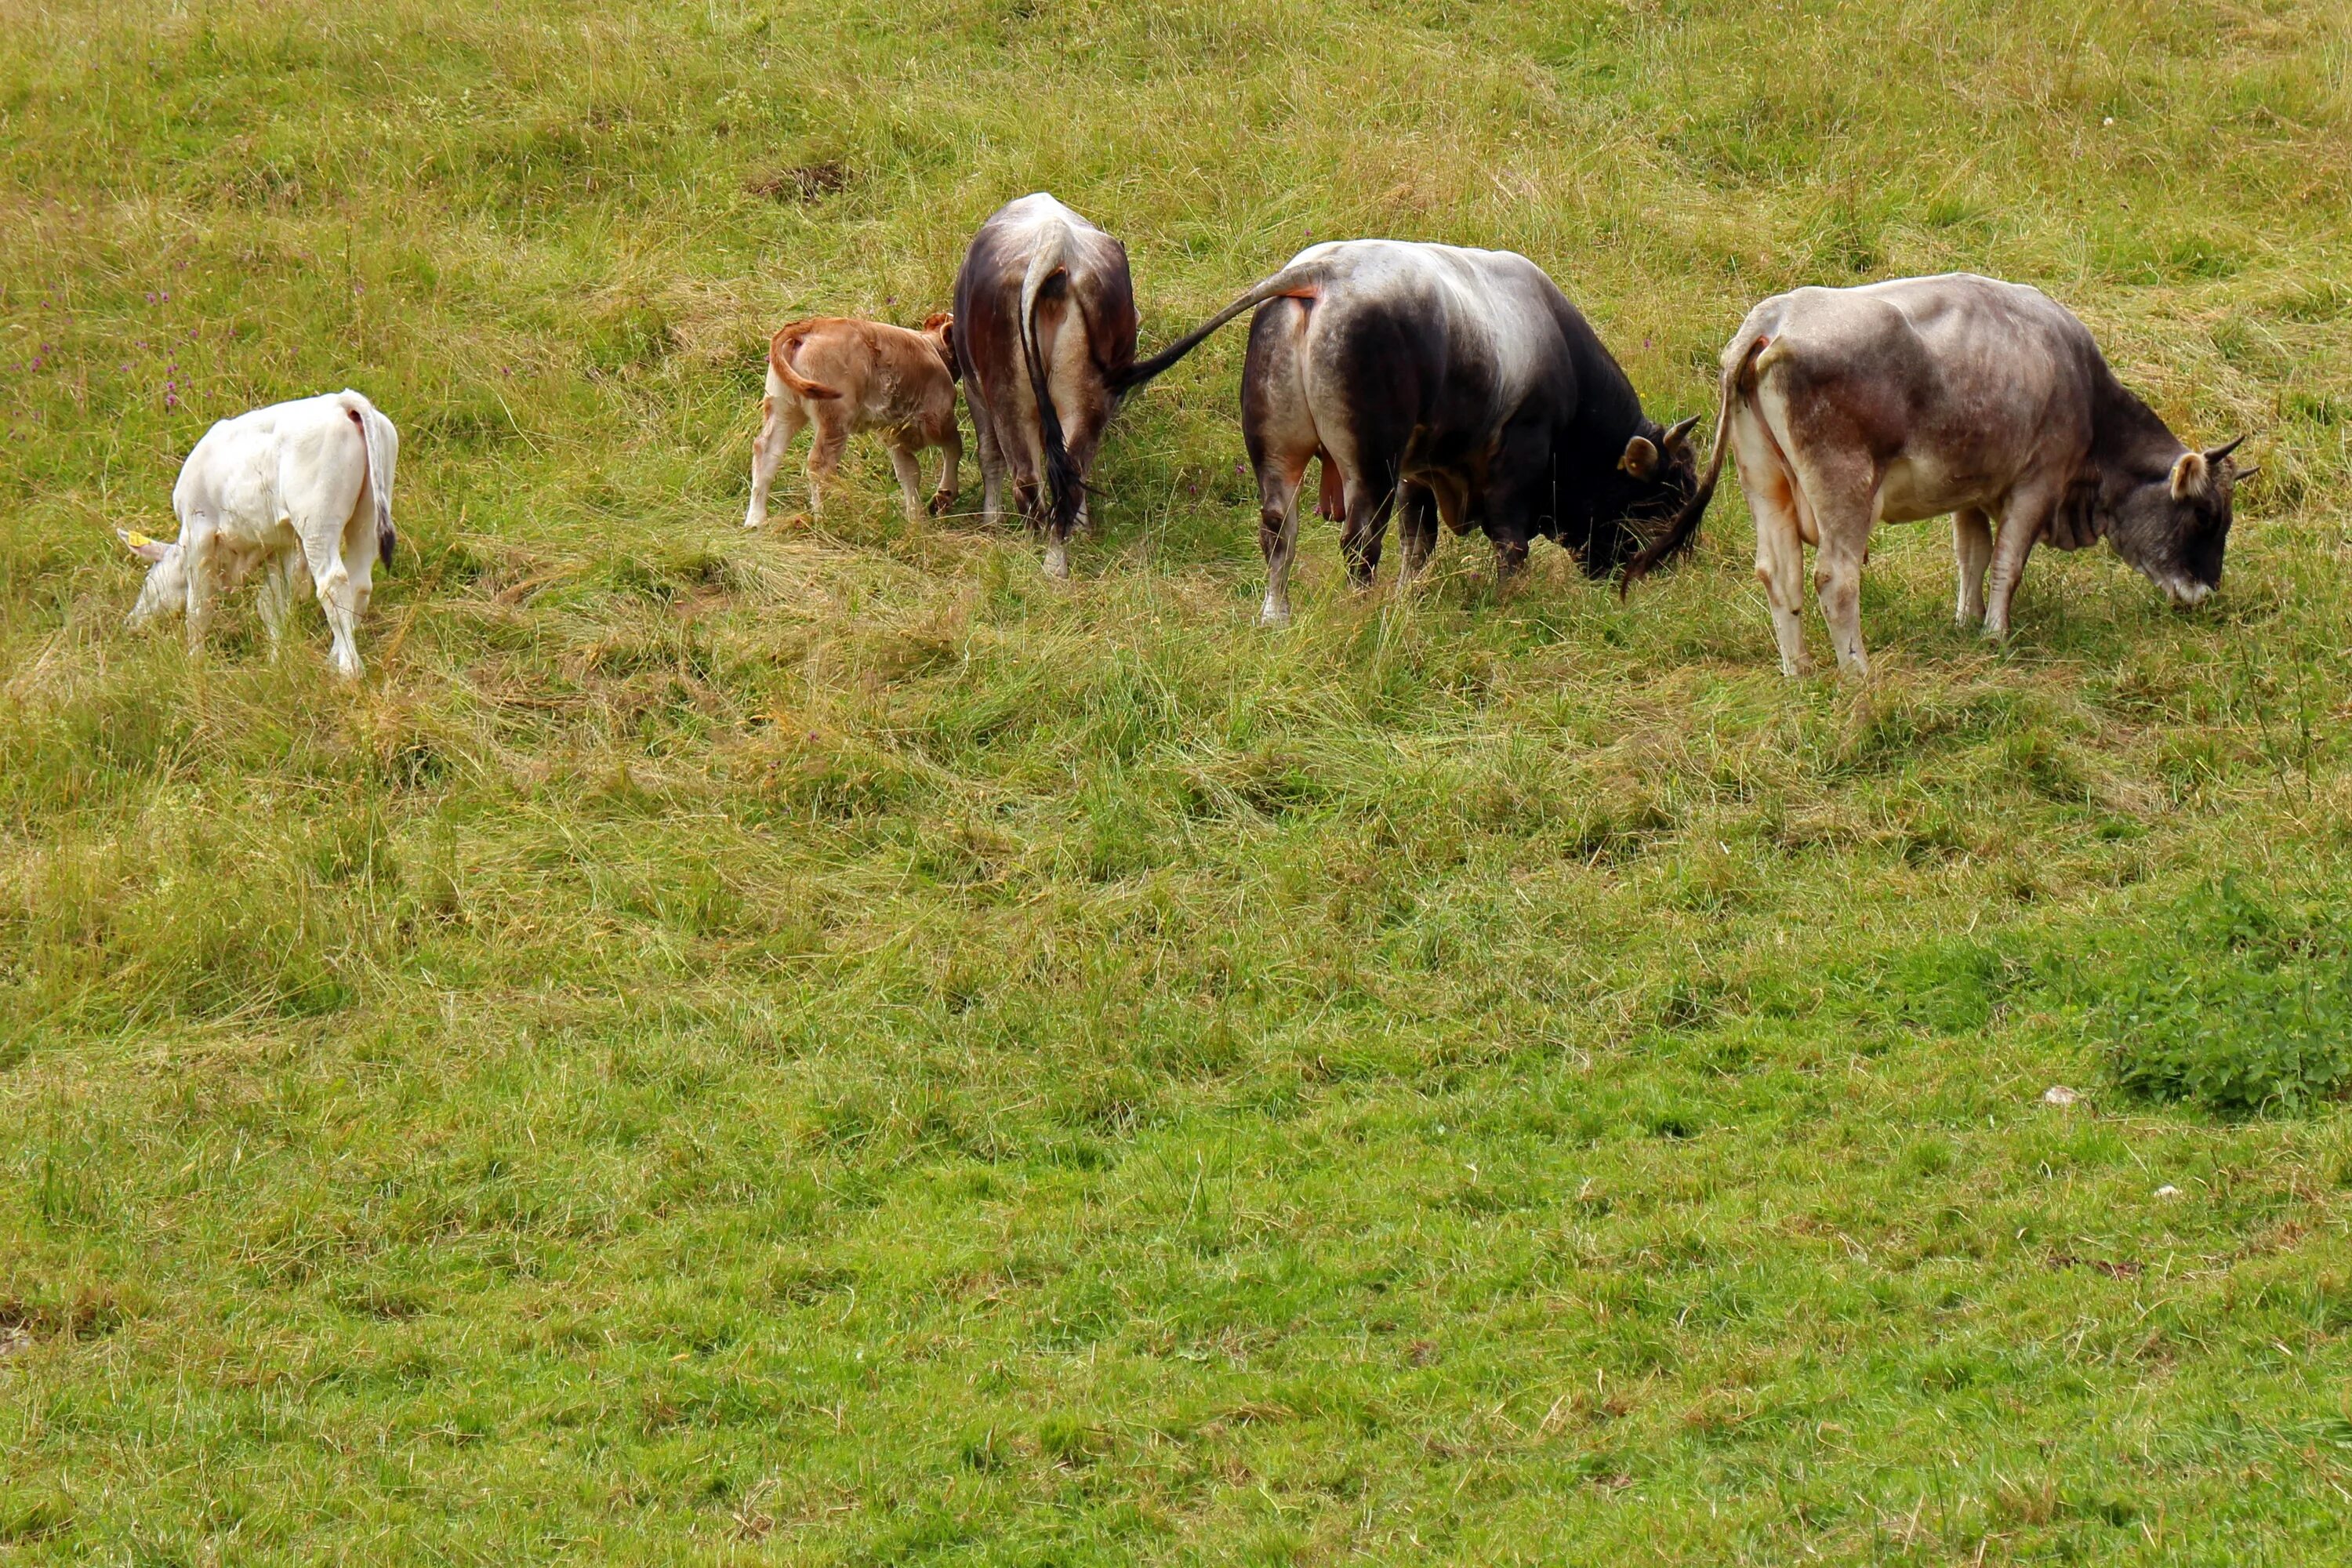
(1678, 433)
(2218, 453)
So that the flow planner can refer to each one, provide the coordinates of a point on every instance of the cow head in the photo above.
(1654, 476)
(2174, 527)
(940, 327)
(166, 588)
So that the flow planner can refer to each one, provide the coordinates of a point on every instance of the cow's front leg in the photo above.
(951, 445)
(1417, 524)
(198, 548)
(275, 598)
(2023, 516)
(1365, 531)
(1971, 554)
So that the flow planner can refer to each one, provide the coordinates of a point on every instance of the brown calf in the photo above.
(844, 376)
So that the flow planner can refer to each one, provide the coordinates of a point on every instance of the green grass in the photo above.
(824, 1046)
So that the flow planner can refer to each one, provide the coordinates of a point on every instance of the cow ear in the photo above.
(150, 550)
(1641, 458)
(1678, 433)
(2190, 475)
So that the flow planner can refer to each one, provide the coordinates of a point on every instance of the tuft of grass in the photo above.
(2230, 1006)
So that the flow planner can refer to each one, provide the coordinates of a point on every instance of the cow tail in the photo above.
(1685, 526)
(1063, 486)
(1291, 280)
(377, 451)
(779, 360)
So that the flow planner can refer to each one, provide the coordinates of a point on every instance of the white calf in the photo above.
(303, 489)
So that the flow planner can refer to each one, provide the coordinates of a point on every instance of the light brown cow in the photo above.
(844, 376)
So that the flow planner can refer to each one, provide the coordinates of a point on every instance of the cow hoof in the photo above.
(1273, 618)
(1057, 565)
(942, 503)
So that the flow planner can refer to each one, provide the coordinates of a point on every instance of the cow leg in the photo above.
(198, 544)
(780, 419)
(992, 465)
(1417, 525)
(1844, 499)
(825, 459)
(275, 598)
(339, 598)
(1773, 501)
(949, 441)
(2023, 515)
(1971, 554)
(1366, 530)
(1277, 536)
(910, 469)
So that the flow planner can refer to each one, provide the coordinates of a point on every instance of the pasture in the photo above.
(822, 1045)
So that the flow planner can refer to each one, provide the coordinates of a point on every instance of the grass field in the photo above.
(825, 1047)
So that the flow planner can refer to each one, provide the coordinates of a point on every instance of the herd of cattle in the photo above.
(1437, 383)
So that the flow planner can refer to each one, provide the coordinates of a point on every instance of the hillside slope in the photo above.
(824, 1046)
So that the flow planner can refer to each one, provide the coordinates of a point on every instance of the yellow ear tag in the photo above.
(136, 540)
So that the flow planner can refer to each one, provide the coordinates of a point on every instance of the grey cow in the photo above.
(1956, 394)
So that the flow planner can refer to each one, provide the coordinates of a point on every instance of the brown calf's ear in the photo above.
(1641, 458)
(1678, 433)
(2190, 475)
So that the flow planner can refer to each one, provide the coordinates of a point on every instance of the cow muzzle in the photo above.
(2187, 594)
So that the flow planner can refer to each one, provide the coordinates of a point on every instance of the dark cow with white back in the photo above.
(1956, 394)
(1459, 384)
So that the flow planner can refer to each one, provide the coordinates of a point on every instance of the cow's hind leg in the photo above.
(1772, 500)
(340, 598)
(992, 461)
(1278, 428)
(825, 459)
(1841, 494)
(1971, 554)
(780, 419)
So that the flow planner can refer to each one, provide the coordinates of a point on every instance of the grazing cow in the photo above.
(302, 489)
(1459, 384)
(1045, 331)
(844, 376)
(1906, 399)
